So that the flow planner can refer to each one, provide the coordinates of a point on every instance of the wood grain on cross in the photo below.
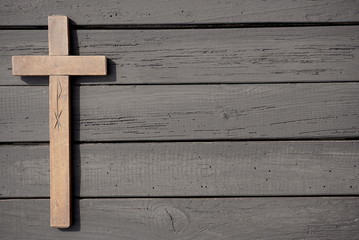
(58, 65)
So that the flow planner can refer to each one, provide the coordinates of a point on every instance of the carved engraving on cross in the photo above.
(58, 66)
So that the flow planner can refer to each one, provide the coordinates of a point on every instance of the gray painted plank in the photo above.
(303, 54)
(189, 169)
(18, 12)
(188, 112)
(214, 218)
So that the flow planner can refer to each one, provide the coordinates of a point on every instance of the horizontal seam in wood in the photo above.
(36, 143)
(188, 83)
(191, 197)
(186, 25)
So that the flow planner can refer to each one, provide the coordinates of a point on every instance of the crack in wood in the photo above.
(172, 220)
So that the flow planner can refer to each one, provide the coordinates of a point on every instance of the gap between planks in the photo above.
(293, 140)
(75, 83)
(185, 26)
(191, 197)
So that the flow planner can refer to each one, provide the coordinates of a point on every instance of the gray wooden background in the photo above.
(218, 120)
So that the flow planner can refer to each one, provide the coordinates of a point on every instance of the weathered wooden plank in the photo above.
(318, 54)
(58, 65)
(60, 151)
(189, 169)
(59, 125)
(188, 112)
(17, 12)
(204, 218)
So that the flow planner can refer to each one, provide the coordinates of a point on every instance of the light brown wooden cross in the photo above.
(58, 65)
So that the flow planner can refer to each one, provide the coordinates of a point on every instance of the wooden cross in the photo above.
(58, 65)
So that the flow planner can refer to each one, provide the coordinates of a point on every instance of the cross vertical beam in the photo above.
(58, 65)
(60, 139)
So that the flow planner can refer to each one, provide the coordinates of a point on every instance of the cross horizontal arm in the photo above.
(58, 65)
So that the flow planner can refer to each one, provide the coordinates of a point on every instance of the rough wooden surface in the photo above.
(58, 65)
(191, 112)
(188, 112)
(60, 151)
(215, 218)
(58, 35)
(320, 54)
(83, 12)
(60, 127)
(189, 169)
